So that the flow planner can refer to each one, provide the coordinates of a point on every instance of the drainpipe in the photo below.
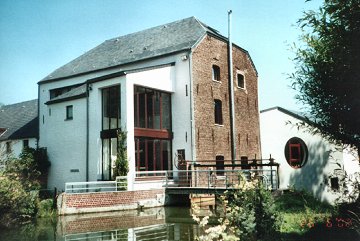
(87, 131)
(38, 122)
(192, 120)
(231, 93)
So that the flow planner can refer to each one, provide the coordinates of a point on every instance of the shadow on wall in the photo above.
(313, 176)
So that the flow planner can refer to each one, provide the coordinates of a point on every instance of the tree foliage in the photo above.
(327, 70)
(250, 214)
(19, 186)
(121, 163)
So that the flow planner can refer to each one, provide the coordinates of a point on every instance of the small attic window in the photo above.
(216, 73)
(240, 80)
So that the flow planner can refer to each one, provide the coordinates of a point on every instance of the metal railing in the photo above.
(120, 184)
(209, 178)
(223, 179)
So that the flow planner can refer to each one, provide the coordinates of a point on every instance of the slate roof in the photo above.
(19, 120)
(150, 43)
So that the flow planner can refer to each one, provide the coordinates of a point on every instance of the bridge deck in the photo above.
(196, 190)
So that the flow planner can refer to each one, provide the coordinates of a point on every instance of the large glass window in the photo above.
(110, 125)
(152, 154)
(152, 121)
(111, 108)
(152, 109)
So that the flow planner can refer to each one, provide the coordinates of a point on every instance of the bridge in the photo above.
(191, 181)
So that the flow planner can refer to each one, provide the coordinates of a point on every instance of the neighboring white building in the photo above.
(307, 161)
(166, 86)
(18, 128)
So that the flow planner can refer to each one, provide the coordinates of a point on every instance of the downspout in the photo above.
(192, 116)
(87, 131)
(38, 114)
(231, 93)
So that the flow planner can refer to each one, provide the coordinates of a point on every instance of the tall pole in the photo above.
(231, 93)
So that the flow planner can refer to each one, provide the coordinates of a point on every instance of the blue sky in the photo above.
(39, 36)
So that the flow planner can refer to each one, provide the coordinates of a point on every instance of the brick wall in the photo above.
(212, 140)
(108, 199)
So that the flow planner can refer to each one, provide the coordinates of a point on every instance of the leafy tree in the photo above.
(327, 70)
(19, 186)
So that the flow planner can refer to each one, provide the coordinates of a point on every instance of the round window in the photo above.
(296, 152)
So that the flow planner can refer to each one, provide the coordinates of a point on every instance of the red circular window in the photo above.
(296, 152)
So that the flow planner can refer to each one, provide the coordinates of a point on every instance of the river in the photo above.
(165, 223)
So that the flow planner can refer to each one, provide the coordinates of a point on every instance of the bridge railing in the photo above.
(120, 184)
(209, 178)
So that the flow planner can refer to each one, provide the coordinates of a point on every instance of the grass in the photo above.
(300, 212)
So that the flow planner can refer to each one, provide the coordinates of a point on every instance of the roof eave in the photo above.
(45, 81)
(50, 102)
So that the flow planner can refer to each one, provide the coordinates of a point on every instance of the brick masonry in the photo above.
(109, 201)
(211, 139)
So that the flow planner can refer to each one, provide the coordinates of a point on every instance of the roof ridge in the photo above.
(19, 103)
(151, 28)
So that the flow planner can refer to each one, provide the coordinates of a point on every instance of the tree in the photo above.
(327, 70)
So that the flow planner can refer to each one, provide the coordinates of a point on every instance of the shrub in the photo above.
(121, 163)
(250, 214)
(46, 208)
(19, 186)
(16, 204)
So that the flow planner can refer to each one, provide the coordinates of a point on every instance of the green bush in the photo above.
(46, 208)
(19, 186)
(16, 204)
(250, 214)
(253, 211)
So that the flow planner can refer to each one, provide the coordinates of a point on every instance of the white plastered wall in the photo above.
(16, 147)
(323, 159)
(72, 156)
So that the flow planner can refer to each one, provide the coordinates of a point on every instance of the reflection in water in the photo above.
(169, 223)
(149, 224)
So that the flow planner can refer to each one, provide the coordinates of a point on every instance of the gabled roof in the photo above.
(18, 121)
(295, 114)
(162, 40)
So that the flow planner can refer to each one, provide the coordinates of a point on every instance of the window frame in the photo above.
(243, 80)
(218, 115)
(69, 112)
(296, 152)
(216, 73)
(8, 148)
(25, 143)
(220, 163)
(156, 100)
